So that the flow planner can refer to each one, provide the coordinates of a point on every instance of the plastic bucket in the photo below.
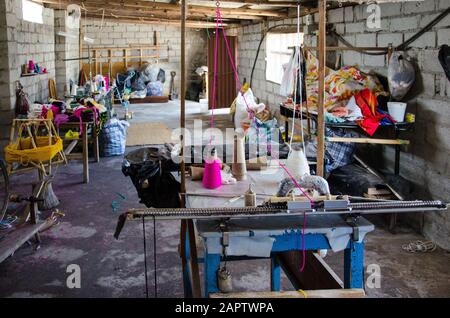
(397, 110)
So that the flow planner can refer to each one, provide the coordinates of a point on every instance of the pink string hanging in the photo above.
(214, 81)
(219, 20)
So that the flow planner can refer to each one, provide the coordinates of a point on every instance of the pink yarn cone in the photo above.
(212, 179)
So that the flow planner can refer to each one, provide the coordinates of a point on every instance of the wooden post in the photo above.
(321, 110)
(183, 98)
(84, 139)
(80, 44)
(188, 225)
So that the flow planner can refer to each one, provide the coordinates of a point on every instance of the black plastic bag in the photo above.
(162, 76)
(444, 59)
(150, 171)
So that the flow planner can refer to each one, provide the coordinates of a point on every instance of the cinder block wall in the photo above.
(66, 47)
(425, 162)
(21, 41)
(34, 42)
(114, 34)
(6, 112)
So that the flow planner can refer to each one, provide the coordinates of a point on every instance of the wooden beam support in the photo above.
(183, 98)
(146, 13)
(316, 274)
(369, 141)
(321, 99)
(265, 3)
(134, 20)
(164, 7)
(320, 293)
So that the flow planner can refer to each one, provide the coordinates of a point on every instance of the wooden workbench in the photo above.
(396, 129)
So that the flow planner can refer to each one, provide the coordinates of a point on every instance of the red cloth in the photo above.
(367, 101)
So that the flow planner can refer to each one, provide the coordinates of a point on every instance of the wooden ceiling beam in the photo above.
(156, 14)
(283, 4)
(134, 20)
(165, 7)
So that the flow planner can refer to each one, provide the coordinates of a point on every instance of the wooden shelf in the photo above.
(15, 239)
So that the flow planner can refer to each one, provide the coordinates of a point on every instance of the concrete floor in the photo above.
(111, 268)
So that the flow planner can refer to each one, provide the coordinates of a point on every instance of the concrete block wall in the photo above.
(6, 113)
(425, 162)
(66, 47)
(114, 34)
(34, 42)
(21, 41)
(248, 40)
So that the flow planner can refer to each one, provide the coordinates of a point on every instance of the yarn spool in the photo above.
(212, 178)
(297, 163)
(239, 168)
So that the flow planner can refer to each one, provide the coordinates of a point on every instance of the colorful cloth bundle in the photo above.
(340, 85)
(373, 117)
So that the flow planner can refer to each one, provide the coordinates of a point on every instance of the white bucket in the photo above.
(397, 110)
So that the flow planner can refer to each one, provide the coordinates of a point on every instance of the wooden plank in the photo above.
(85, 154)
(321, 99)
(369, 141)
(14, 240)
(300, 198)
(70, 147)
(132, 47)
(345, 48)
(150, 100)
(321, 293)
(183, 97)
(153, 7)
(316, 274)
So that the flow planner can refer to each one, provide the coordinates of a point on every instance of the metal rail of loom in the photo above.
(292, 208)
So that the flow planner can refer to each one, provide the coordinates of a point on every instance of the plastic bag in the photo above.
(152, 71)
(290, 72)
(401, 75)
(155, 88)
(242, 102)
(161, 76)
(444, 59)
(150, 171)
(113, 137)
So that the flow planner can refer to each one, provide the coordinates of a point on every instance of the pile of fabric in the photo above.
(85, 110)
(352, 95)
(363, 109)
(340, 85)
